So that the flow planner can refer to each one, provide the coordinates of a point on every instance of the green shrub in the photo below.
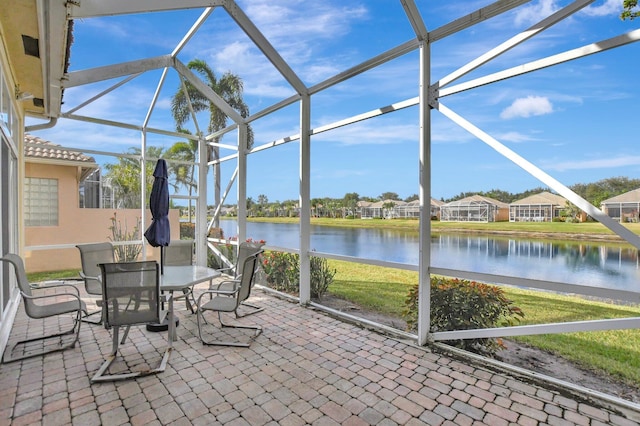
(227, 249)
(127, 252)
(464, 305)
(187, 231)
(321, 276)
(282, 271)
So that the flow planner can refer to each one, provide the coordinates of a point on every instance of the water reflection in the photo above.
(584, 263)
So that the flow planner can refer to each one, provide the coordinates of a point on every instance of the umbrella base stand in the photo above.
(162, 326)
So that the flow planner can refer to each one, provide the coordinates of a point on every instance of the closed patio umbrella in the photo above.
(158, 234)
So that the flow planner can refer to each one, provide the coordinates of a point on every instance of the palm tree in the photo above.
(183, 174)
(229, 87)
(125, 176)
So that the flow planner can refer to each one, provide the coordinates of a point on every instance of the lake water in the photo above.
(583, 263)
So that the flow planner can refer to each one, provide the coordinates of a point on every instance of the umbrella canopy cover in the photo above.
(158, 234)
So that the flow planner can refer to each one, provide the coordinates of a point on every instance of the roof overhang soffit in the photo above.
(95, 8)
(53, 34)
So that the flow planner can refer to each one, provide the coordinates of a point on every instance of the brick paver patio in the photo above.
(305, 368)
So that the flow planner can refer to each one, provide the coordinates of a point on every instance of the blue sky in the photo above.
(574, 121)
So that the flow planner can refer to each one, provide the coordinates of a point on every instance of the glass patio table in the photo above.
(177, 278)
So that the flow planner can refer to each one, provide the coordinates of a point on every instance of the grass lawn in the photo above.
(615, 352)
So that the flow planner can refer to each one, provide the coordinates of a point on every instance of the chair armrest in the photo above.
(50, 286)
(234, 282)
(75, 295)
(227, 271)
(217, 292)
(89, 277)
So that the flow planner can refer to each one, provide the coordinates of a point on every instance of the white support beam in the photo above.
(102, 121)
(416, 21)
(305, 199)
(242, 183)
(543, 177)
(265, 47)
(474, 18)
(201, 212)
(154, 100)
(569, 55)
(223, 159)
(227, 190)
(276, 143)
(514, 41)
(529, 330)
(384, 57)
(127, 126)
(143, 188)
(217, 135)
(366, 115)
(424, 245)
(553, 286)
(95, 8)
(273, 108)
(192, 31)
(93, 75)
(103, 93)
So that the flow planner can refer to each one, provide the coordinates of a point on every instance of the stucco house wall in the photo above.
(76, 225)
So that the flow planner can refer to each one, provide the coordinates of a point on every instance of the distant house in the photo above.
(624, 207)
(408, 210)
(475, 208)
(379, 209)
(62, 200)
(412, 209)
(542, 207)
(436, 206)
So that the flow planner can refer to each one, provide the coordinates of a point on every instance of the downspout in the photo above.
(52, 122)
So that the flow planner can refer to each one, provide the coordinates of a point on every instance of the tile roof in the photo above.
(476, 199)
(35, 147)
(543, 198)
(628, 197)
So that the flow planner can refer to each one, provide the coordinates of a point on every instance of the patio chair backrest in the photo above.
(90, 256)
(23, 282)
(130, 293)
(249, 266)
(245, 250)
(179, 253)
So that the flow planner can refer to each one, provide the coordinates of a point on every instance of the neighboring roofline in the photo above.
(58, 162)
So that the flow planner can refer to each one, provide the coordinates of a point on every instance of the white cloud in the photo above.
(610, 7)
(526, 107)
(327, 20)
(535, 12)
(515, 137)
(600, 163)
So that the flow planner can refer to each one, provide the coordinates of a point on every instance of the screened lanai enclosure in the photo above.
(474, 209)
(542, 207)
(83, 88)
(624, 207)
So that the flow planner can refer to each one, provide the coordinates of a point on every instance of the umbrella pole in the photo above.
(161, 260)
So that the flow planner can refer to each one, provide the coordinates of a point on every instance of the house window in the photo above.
(90, 191)
(41, 202)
